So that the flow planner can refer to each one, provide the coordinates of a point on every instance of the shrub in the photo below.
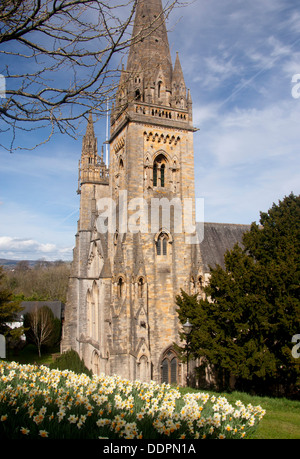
(70, 360)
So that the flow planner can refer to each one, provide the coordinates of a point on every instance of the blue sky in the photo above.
(238, 60)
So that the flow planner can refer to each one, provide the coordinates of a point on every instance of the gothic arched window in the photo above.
(169, 368)
(159, 171)
(138, 95)
(159, 89)
(120, 287)
(155, 174)
(200, 284)
(140, 287)
(162, 175)
(162, 244)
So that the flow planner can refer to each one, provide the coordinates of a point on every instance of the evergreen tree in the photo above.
(245, 329)
(9, 309)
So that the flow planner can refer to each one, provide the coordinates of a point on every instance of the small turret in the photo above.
(179, 99)
(89, 145)
(92, 168)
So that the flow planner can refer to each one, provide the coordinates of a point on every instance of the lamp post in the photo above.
(187, 330)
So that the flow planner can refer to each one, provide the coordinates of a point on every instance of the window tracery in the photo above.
(162, 244)
(159, 171)
(169, 367)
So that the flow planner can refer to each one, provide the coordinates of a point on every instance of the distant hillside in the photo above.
(11, 264)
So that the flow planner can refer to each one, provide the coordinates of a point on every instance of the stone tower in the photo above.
(121, 312)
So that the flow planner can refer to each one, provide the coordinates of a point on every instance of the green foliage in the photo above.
(29, 355)
(9, 309)
(246, 328)
(188, 308)
(70, 360)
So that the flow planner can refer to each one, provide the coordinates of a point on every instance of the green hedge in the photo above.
(70, 360)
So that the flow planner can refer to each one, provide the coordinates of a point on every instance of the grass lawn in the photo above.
(281, 421)
(29, 354)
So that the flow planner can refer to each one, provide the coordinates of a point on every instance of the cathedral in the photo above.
(138, 242)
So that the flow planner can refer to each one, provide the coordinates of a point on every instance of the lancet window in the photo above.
(159, 171)
(169, 368)
(121, 287)
(140, 287)
(162, 244)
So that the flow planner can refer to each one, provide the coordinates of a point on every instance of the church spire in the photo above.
(149, 50)
(150, 86)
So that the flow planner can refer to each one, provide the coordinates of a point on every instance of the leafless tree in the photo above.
(58, 58)
(41, 326)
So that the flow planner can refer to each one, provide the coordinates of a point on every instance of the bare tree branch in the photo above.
(58, 59)
(41, 327)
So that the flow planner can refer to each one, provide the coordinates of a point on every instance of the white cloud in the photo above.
(246, 136)
(246, 159)
(30, 249)
(204, 113)
(294, 21)
(8, 243)
(218, 69)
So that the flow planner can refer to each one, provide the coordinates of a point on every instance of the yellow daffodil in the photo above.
(66, 392)
(72, 419)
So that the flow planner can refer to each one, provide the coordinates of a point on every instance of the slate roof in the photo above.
(218, 238)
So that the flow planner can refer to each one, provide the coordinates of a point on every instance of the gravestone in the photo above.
(2, 347)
